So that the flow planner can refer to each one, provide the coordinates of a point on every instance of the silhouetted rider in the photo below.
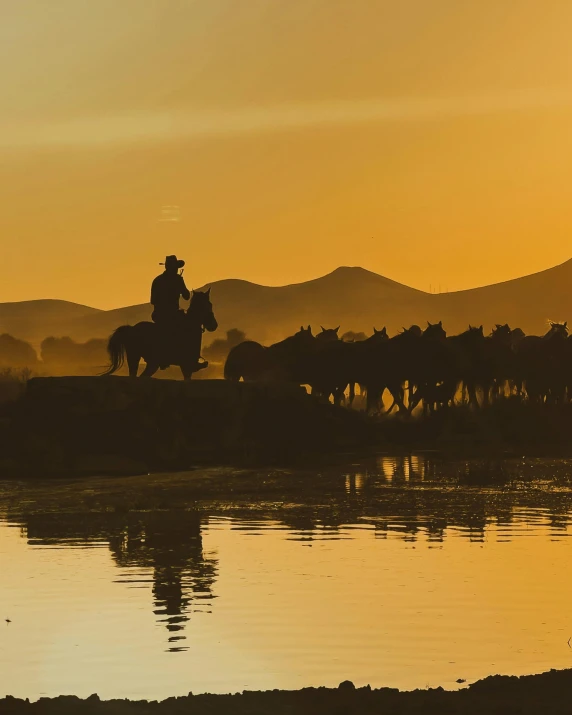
(166, 290)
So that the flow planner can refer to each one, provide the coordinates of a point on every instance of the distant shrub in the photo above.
(351, 337)
(16, 353)
(65, 351)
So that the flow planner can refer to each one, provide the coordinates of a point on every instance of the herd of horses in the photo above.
(418, 368)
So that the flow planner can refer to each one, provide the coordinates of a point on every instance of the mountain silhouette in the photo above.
(352, 297)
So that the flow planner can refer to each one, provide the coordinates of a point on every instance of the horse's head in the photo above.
(201, 310)
(303, 337)
(502, 333)
(434, 331)
(328, 334)
(414, 331)
(471, 338)
(379, 336)
(476, 332)
(557, 331)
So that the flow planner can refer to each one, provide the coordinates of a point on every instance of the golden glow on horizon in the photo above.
(429, 142)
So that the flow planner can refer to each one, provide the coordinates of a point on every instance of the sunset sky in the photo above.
(427, 140)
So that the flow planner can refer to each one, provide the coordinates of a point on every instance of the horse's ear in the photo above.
(209, 290)
(322, 329)
(565, 323)
(301, 328)
(428, 324)
(375, 332)
(310, 329)
(441, 323)
(336, 330)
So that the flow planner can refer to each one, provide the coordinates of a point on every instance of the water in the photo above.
(396, 572)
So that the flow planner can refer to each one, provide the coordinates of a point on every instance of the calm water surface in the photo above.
(404, 573)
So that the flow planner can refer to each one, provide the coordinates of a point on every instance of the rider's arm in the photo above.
(154, 292)
(185, 293)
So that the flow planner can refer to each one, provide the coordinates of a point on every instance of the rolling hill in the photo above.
(354, 298)
(33, 320)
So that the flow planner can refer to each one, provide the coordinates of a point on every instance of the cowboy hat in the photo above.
(172, 260)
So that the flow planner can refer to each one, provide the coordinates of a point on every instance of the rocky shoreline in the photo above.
(545, 693)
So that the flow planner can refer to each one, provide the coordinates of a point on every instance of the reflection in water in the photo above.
(398, 571)
(403, 469)
(167, 543)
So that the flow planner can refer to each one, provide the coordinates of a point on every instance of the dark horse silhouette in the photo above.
(285, 361)
(144, 340)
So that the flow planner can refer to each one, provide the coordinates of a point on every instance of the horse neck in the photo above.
(557, 339)
(292, 342)
(374, 340)
(194, 321)
(499, 340)
(433, 338)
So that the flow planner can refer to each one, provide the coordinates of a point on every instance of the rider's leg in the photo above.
(165, 329)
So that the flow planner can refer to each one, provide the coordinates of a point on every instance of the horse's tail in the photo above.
(116, 348)
(233, 367)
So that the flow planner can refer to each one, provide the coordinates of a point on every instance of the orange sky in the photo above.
(428, 141)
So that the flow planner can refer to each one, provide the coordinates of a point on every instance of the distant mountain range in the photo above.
(354, 298)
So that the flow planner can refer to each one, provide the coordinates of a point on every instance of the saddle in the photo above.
(172, 341)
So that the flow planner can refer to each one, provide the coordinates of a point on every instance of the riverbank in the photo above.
(115, 425)
(94, 426)
(527, 695)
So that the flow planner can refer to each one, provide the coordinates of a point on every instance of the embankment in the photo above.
(116, 425)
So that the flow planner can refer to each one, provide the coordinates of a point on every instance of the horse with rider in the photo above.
(174, 337)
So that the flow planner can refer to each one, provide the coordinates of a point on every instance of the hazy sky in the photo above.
(427, 140)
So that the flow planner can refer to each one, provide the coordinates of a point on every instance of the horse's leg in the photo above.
(352, 394)
(372, 398)
(340, 394)
(398, 394)
(150, 369)
(416, 397)
(187, 372)
(472, 392)
(133, 364)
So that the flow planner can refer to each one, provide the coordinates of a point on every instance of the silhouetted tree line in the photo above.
(59, 353)
(16, 353)
(65, 351)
